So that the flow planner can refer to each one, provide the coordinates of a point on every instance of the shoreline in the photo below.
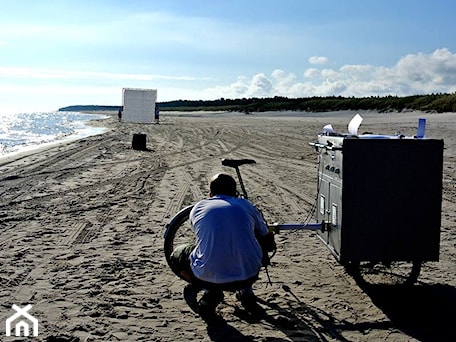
(338, 118)
(90, 128)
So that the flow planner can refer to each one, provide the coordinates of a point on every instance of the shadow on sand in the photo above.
(424, 312)
(295, 319)
(292, 326)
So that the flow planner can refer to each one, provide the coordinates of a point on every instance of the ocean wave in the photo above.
(28, 130)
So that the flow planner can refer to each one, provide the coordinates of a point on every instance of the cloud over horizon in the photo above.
(413, 74)
(33, 89)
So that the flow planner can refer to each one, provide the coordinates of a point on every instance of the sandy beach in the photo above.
(82, 223)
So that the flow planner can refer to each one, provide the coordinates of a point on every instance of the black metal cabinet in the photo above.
(381, 198)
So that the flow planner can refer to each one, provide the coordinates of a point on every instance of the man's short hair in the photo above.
(223, 184)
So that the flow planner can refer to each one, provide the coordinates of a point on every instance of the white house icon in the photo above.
(22, 325)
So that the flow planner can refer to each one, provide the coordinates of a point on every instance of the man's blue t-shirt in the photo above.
(226, 247)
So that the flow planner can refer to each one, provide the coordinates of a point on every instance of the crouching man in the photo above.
(232, 241)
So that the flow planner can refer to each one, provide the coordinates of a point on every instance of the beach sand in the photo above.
(82, 223)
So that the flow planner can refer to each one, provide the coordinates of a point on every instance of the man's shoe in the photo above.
(247, 298)
(190, 294)
(209, 301)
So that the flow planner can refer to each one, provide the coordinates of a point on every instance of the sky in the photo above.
(56, 53)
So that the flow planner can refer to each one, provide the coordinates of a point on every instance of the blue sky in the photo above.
(55, 53)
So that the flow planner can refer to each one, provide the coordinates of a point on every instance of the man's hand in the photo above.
(267, 244)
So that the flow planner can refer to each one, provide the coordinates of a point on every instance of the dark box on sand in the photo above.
(139, 141)
(381, 197)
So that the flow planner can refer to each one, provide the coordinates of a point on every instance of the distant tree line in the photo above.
(427, 103)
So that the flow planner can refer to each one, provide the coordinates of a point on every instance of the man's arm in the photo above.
(267, 242)
(264, 236)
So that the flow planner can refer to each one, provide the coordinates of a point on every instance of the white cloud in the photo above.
(318, 60)
(283, 81)
(258, 86)
(413, 74)
(436, 68)
(312, 73)
(261, 85)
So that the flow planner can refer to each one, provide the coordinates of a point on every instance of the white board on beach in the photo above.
(138, 105)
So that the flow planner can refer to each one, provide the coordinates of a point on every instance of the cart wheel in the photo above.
(178, 232)
(385, 273)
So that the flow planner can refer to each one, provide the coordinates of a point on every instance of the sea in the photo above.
(27, 131)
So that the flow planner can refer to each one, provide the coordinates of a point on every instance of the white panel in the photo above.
(139, 105)
(334, 214)
(322, 205)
